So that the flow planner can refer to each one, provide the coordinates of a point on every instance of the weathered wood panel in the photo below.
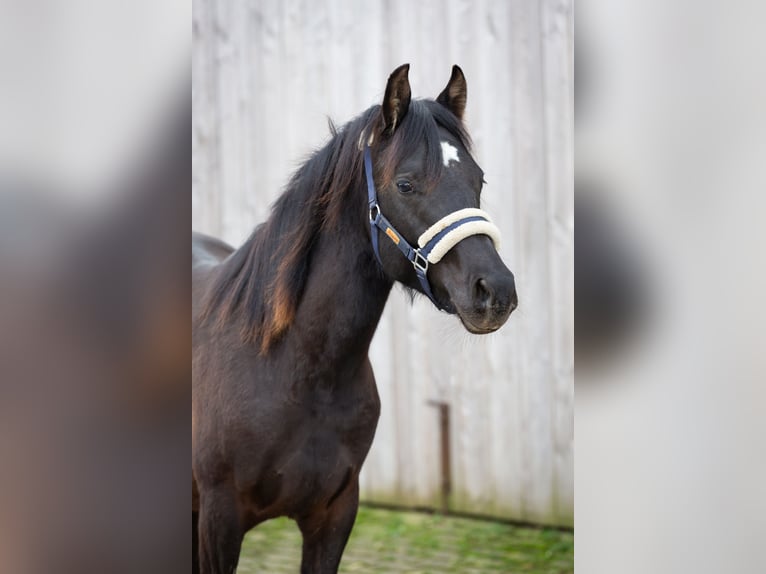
(266, 76)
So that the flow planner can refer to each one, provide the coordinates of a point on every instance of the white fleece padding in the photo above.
(448, 220)
(459, 233)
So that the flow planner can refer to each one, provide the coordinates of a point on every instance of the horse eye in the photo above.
(404, 186)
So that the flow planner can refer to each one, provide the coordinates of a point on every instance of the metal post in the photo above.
(446, 462)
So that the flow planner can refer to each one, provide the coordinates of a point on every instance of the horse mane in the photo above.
(261, 284)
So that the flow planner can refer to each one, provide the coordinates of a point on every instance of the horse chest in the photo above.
(329, 409)
(312, 448)
(324, 431)
(309, 467)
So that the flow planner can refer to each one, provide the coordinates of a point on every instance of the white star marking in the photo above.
(449, 153)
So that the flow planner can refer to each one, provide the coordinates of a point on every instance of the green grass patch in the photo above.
(385, 541)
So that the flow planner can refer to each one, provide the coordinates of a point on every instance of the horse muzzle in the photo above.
(492, 300)
(479, 287)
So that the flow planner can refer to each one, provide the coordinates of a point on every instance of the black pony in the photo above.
(284, 399)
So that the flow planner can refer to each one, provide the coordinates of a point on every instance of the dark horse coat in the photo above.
(285, 404)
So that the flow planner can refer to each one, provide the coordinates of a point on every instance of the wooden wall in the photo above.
(267, 74)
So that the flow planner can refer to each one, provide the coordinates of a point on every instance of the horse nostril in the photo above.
(483, 295)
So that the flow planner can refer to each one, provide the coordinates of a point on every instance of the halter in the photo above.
(435, 242)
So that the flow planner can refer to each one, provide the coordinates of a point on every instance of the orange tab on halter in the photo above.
(394, 237)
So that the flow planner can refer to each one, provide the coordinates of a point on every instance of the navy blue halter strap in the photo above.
(378, 222)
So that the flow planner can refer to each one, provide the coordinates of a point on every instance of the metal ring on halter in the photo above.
(416, 262)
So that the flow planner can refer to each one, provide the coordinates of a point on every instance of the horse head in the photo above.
(424, 190)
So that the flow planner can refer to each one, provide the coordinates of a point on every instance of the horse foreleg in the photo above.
(325, 534)
(219, 532)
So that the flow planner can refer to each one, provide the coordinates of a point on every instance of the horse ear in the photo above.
(396, 102)
(455, 95)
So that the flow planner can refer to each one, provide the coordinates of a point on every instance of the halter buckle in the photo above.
(374, 213)
(420, 263)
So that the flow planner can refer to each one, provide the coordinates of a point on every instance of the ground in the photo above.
(385, 541)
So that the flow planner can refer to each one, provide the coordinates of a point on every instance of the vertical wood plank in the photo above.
(556, 46)
(533, 277)
(207, 195)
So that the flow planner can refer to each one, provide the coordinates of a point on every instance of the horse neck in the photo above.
(344, 296)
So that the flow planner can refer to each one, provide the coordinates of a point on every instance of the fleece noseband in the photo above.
(435, 242)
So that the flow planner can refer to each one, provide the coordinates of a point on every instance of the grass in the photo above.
(385, 541)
